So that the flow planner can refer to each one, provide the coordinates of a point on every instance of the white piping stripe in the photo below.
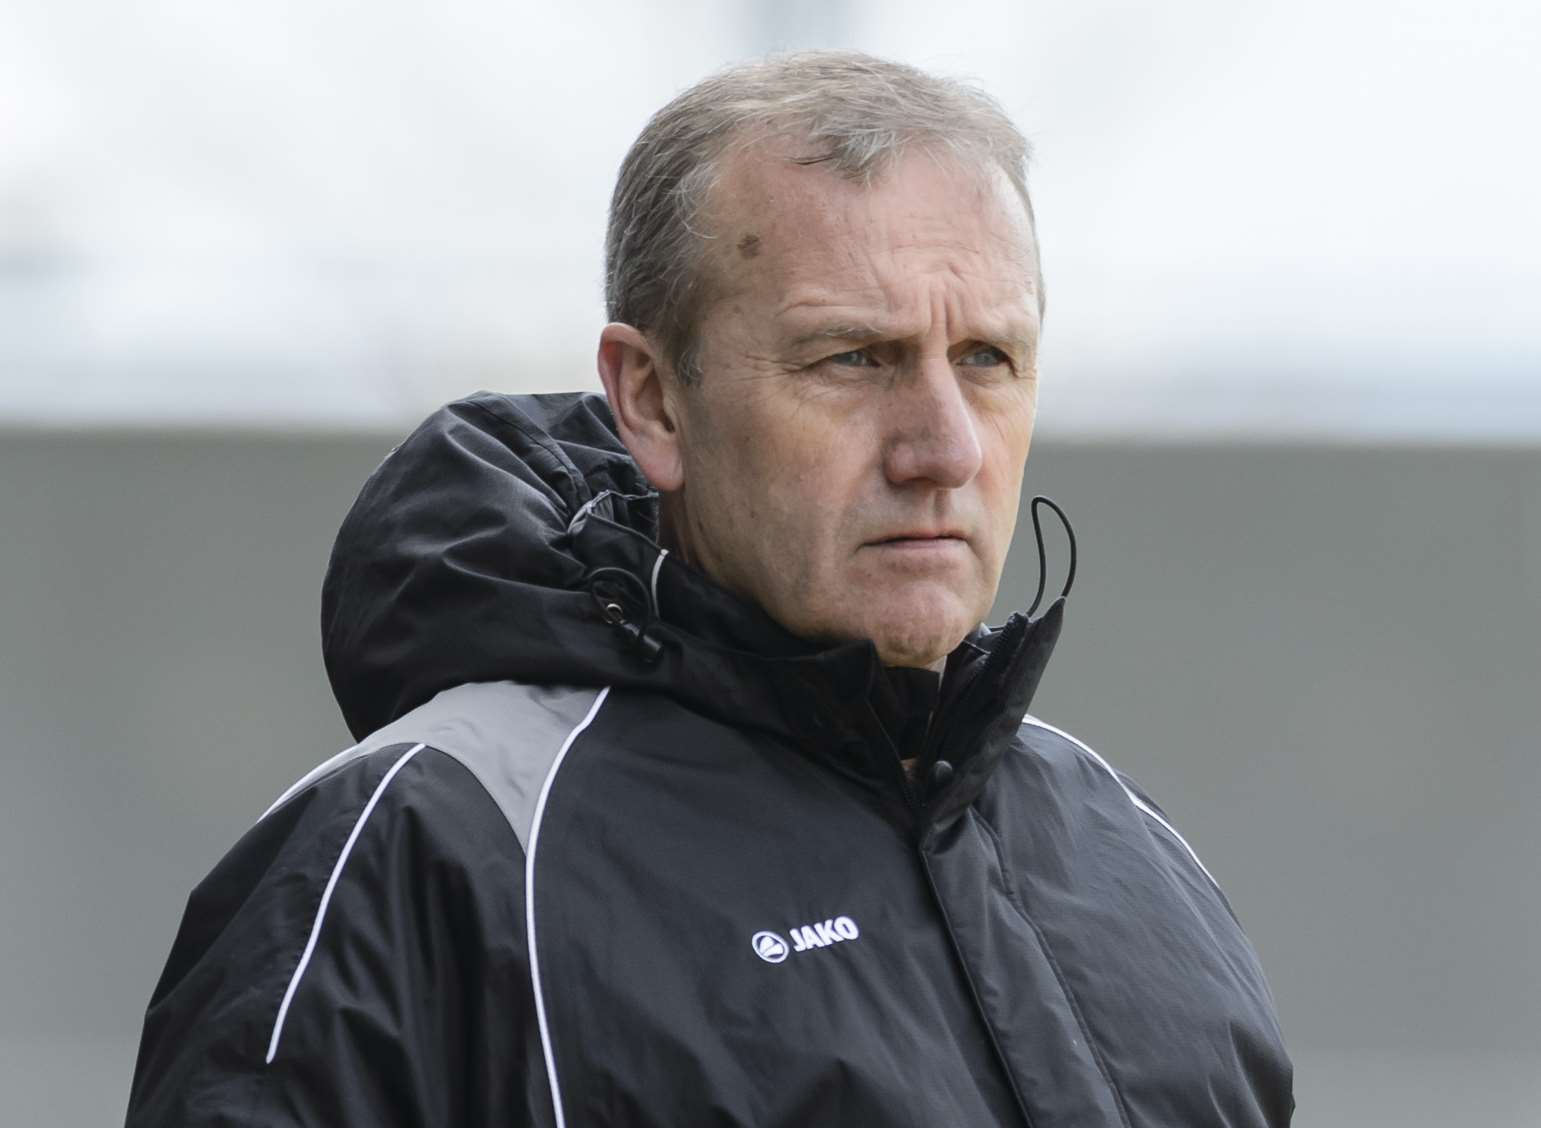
(657, 564)
(1139, 803)
(529, 905)
(308, 778)
(326, 897)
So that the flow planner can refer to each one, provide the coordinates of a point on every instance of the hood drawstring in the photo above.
(1043, 560)
(615, 592)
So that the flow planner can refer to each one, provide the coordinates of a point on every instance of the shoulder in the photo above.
(417, 814)
(1067, 753)
(346, 939)
(505, 738)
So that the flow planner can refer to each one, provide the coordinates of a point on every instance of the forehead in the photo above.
(793, 238)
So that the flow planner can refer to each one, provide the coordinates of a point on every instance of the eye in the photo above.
(855, 358)
(987, 356)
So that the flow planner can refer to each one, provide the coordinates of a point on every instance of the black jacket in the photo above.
(615, 849)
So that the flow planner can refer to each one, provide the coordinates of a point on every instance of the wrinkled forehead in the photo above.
(777, 222)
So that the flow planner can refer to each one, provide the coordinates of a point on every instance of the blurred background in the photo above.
(1291, 400)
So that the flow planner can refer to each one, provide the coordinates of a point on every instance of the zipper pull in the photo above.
(937, 778)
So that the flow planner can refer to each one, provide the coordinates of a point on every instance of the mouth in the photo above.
(919, 554)
(920, 536)
(920, 540)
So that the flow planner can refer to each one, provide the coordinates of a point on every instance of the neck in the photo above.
(670, 522)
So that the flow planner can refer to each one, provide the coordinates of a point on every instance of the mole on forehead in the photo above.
(749, 245)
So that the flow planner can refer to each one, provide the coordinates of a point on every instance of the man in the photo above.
(689, 790)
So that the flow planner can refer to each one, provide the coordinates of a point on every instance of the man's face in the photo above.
(853, 453)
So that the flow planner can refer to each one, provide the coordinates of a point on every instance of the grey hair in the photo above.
(856, 112)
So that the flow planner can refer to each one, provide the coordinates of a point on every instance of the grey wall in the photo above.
(1323, 662)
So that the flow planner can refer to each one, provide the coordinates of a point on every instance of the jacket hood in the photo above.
(513, 537)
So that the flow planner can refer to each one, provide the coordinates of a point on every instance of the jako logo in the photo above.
(771, 948)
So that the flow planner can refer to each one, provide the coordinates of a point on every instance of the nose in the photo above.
(933, 433)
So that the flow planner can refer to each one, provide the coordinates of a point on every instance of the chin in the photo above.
(920, 642)
(915, 625)
(916, 658)
(926, 627)
(919, 624)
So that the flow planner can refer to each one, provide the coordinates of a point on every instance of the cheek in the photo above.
(1001, 475)
(759, 493)
(811, 496)
(1011, 426)
(804, 510)
(787, 474)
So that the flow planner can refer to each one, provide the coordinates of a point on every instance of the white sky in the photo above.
(1310, 218)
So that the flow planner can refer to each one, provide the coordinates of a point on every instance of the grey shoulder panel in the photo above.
(505, 734)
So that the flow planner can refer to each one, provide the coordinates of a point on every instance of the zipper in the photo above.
(912, 802)
(968, 977)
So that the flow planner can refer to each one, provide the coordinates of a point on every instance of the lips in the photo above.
(917, 553)
(912, 537)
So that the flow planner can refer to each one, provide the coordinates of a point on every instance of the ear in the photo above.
(642, 399)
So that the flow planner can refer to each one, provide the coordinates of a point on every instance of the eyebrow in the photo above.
(857, 334)
(1013, 336)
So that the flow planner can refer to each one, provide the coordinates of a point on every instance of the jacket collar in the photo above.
(838, 704)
